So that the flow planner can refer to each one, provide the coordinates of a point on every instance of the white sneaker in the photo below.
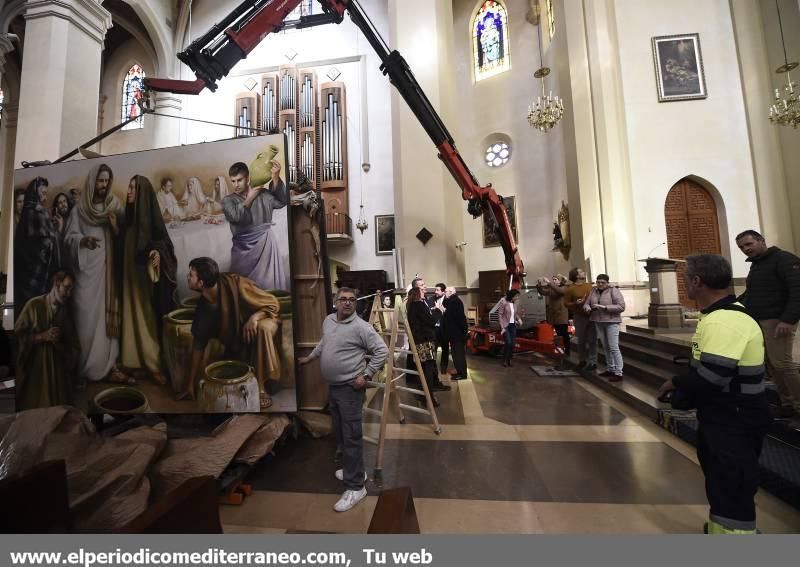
(349, 499)
(340, 475)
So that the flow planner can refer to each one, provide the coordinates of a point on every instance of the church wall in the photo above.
(536, 173)
(111, 87)
(368, 100)
(667, 141)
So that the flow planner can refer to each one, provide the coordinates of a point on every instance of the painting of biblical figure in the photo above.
(165, 287)
(679, 67)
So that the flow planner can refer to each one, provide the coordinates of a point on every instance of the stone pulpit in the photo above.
(665, 310)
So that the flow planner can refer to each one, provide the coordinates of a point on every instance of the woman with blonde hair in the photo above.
(195, 198)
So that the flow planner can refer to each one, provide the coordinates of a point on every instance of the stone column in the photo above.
(665, 310)
(60, 76)
(425, 195)
(166, 131)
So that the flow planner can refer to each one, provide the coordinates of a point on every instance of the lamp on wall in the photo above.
(786, 109)
(548, 109)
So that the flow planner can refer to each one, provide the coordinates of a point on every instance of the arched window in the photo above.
(132, 91)
(1, 106)
(490, 40)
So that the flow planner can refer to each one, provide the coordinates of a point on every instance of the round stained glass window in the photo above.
(498, 154)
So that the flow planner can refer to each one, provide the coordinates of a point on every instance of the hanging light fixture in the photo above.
(548, 109)
(786, 109)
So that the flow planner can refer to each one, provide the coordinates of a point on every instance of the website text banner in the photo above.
(388, 551)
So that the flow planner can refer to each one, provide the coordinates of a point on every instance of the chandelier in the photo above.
(548, 109)
(785, 111)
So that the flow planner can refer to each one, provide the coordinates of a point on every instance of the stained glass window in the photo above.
(132, 91)
(551, 18)
(490, 40)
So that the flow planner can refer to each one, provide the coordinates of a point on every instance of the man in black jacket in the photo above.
(454, 325)
(773, 297)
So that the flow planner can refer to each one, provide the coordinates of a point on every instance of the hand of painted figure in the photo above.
(90, 242)
(183, 202)
(155, 259)
(359, 382)
(112, 220)
(250, 328)
(303, 360)
(51, 335)
(166, 216)
(784, 330)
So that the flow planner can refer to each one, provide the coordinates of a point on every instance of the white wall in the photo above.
(323, 47)
(667, 141)
(536, 173)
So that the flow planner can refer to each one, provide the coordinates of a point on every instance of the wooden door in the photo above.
(692, 227)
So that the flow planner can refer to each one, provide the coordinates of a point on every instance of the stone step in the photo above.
(636, 393)
(650, 355)
(662, 344)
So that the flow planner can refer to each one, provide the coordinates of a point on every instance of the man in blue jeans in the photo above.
(346, 341)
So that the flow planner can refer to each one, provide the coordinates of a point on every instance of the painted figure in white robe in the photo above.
(220, 192)
(195, 198)
(171, 209)
(89, 245)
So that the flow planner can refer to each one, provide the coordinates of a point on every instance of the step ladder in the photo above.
(391, 324)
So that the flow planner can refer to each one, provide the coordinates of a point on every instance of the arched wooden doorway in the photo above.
(692, 226)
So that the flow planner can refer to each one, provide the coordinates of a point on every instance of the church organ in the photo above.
(313, 116)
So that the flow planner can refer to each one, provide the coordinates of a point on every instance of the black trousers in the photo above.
(345, 404)
(444, 343)
(563, 332)
(729, 458)
(459, 347)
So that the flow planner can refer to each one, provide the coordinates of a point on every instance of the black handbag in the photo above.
(679, 400)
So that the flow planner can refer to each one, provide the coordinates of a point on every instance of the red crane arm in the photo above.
(213, 55)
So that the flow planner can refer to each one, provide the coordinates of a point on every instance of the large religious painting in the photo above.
(679, 67)
(157, 281)
(491, 237)
(490, 40)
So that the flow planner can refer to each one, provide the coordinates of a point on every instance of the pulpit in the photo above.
(665, 310)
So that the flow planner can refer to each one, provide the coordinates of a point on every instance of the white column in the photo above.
(8, 136)
(424, 193)
(600, 139)
(60, 76)
(774, 210)
(166, 131)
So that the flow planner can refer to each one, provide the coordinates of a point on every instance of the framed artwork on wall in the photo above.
(384, 234)
(490, 238)
(679, 67)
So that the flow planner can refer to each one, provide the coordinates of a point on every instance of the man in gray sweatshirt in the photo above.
(346, 340)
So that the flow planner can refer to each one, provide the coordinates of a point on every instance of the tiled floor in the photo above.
(518, 453)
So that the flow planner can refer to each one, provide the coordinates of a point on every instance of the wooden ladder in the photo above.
(389, 378)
